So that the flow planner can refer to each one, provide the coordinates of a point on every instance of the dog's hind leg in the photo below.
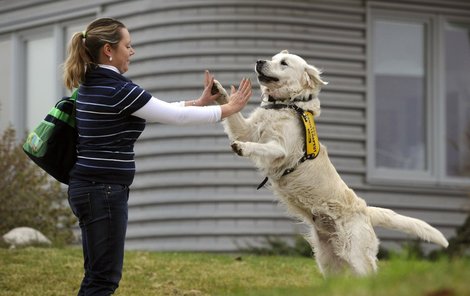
(358, 245)
(328, 262)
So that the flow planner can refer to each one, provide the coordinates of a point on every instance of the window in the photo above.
(457, 97)
(419, 120)
(400, 80)
(31, 64)
(5, 82)
(40, 78)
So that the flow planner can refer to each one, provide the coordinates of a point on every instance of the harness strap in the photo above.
(265, 180)
(312, 144)
(297, 99)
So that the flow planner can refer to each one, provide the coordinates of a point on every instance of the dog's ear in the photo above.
(312, 77)
(284, 51)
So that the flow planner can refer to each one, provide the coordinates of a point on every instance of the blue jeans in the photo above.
(101, 210)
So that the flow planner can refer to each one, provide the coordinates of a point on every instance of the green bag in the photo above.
(52, 145)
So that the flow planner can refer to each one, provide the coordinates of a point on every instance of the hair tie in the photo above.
(84, 34)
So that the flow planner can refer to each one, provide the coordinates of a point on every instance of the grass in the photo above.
(58, 271)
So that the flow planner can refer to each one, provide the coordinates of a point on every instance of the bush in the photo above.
(460, 244)
(275, 246)
(29, 197)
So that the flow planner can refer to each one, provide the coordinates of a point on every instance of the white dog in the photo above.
(342, 234)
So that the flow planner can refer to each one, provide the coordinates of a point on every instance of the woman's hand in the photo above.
(237, 99)
(207, 98)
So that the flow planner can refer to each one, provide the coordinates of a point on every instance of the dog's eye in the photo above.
(284, 63)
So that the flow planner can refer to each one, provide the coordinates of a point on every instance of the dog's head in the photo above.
(287, 77)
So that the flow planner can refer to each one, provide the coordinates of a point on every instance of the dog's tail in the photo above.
(389, 219)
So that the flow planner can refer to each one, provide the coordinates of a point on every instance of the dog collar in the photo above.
(296, 99)
(312, 144)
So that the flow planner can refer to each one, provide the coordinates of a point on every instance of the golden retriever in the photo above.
(272, 137)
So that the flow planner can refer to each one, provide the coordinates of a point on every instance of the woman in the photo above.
(111, 115)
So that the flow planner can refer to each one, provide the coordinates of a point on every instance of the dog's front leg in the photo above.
(236, 126)
(269, 151)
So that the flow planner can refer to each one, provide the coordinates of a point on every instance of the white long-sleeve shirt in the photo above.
(176, 113)
(156, 110)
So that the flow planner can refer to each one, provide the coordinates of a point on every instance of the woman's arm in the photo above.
(174, 113)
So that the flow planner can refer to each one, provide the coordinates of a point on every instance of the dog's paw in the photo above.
(237, 148)
(218, 88)
(215, 88)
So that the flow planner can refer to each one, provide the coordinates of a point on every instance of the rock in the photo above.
(25, 236)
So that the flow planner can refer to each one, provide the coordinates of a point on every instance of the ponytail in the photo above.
(84, 49)
(76, 62)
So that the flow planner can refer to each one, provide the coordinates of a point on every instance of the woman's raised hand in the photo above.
(207, 98)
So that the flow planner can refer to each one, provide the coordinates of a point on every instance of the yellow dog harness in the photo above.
(312, 144)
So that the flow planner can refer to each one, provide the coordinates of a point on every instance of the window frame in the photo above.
(19, 37)
(6, 107)
(26, 37)
(434, 47)
(442, 21)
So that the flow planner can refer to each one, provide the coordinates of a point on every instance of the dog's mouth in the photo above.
(261, 76)
(267, 79)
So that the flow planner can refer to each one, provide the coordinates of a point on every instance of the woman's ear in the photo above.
(107, 50)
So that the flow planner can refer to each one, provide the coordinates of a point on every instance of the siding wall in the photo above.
(191, 192)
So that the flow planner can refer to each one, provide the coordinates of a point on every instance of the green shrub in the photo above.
(459, 245)
(275, 246)
(29, 197)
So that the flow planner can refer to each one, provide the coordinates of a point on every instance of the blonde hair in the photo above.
(84, 48)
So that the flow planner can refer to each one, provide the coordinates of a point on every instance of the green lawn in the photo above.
(52, 271)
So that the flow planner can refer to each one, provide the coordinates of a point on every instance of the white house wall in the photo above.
(191, 192)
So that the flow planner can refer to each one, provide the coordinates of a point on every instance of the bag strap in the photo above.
(74, 95)
(63, 112)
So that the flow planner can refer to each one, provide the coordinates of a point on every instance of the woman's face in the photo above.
(122, 53)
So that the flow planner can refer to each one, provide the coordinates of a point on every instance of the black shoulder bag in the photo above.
(52, 144)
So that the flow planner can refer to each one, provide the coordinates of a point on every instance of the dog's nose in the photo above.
(260, 64)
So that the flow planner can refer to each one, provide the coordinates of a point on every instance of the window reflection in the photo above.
(399, 84)
(5, 84)
(40, 79)
(457, 79)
